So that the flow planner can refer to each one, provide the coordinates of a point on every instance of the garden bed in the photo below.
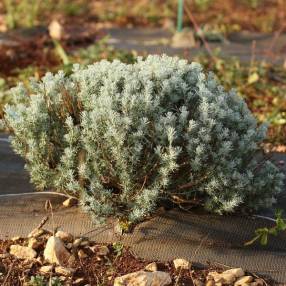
(24, 261)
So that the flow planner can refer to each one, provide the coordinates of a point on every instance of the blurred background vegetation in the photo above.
(226, 16)
(262, 84)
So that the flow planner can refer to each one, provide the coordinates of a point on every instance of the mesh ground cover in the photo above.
(201, 238)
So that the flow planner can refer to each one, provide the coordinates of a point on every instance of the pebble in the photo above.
(151, 267)
(143, 278)
(36, 233)
(65, 271)
(77, 242)
(23, 252)
(69, 245)
(181, 263)
(46, 269)
(70, 202)
(81, 254)
(242, 280)
(102, 250)
(79, 282)
(237, 272)
(64, 236)
(55, 251)
(226, 278)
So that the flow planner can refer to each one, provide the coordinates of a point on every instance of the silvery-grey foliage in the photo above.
(122, 137)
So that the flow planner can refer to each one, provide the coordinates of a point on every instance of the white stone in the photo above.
(34, 243)
(36, 233)
(70, 202)
(64, 236)
(184, 39)
(46, 269)
(55, 251)
(65, 271)
(69, 245)
(102, 250)
(77, 242)
(56, 30)
(79, 282)
(151, 267)
(22, 252)
(237, 272)
(243, 280)
(143, 278)
(81, 254)
(84, 242)
(226, 278)
(181, 263)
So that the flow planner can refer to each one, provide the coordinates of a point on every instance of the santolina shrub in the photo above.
(122, 137)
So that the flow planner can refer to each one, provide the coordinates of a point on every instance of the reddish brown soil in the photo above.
(96, 270)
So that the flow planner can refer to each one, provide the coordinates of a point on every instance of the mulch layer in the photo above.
(94, 269)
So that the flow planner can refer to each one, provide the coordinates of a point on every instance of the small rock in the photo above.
(79, 282)
(226, 278)
(22, 252)
(36, 233)
(77, 242)
(65, 271)
(16, 238)
(64, 236)
(242, 280)
(198, 282)
(69, 245)
(84, 243)
(237, 272)
(212, 274)
(93, 248)
(181, 263)
(184, 39)
(34, 243)
(46, 269)
(40, 260)
(102, 250)
(218, 284)
(152, 267)
(55, 251)
(70, 202)
(142, 278)
(56, 30)
(117, 228)
(81, 254)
